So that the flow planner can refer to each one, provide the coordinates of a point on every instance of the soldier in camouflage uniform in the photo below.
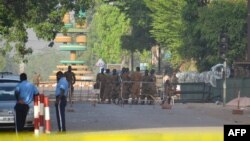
(153, 90)
(136, 78)
(125, 85)
(71, 78)
(145, 85)
(167, 92)
(115, 85)
(100, 80)
(107, 86)
(153, 82)
(173, 82)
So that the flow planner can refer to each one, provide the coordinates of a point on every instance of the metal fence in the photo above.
(83, 91)
(204, 92)
(233, 85)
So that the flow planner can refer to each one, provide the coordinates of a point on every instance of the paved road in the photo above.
(109, 117)
(192, 121)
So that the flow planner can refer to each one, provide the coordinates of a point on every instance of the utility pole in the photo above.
(159, 59)
(224, 41)
(224, 81)
(132, 60)
(248, 30)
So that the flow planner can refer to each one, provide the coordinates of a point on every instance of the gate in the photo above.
(193, 92)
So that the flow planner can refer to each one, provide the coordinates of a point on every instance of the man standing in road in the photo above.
(36, 79)
(61, 100)
(100, 81)
(173, 82)
(24, 94)
(125, 85)
(107, 87)
(136, 78)
(70, 76)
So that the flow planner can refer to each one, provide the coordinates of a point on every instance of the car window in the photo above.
(7, 91)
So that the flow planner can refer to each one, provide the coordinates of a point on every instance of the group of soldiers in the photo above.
(124, 85)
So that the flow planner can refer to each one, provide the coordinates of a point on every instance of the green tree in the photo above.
(139, 37)
(44, 16)
(2, 62)
(10, 64)
(205, 24)
(109, 24)
(38, 62)
(145, 57)
(167, 25)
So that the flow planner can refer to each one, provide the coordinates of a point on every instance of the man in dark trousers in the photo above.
(107, 87)
(61, 100)
(70, 76)
(136, 78)
(24, 93)
(100, 80)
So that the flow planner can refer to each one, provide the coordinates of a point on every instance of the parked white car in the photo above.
(8, 83)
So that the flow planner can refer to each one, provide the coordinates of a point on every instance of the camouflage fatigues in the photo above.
(136, 77)
(145, 86)
(100, 79)
(107, 88)
(153, 90)
(115, 86)
(173, 81)
(167, 91)
(70, 76)
(125, 86)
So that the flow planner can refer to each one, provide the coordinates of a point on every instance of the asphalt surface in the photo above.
(111, 117)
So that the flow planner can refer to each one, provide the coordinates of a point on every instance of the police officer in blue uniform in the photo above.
(24, 93)
(61, 100)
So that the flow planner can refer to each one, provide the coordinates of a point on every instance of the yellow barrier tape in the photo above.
(184, 134)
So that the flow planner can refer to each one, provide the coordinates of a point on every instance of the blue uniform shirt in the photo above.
(62, 84)
(26, 91)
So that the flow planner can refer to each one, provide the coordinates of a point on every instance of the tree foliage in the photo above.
(38, 62)
(145, 57)
(109, 24)
(139, 37)
(9, 64)
(2, 62)
(189, 29)
(44, 16)
(167, 25)
(204, 25)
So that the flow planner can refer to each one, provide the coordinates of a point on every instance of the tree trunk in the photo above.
(131, 63)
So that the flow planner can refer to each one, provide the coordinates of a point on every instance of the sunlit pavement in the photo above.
(110, 117)
(190, 121)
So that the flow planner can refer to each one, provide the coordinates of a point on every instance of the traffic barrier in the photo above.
(84, 91)
(47, 115)
(36, 115)
(41, 113)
